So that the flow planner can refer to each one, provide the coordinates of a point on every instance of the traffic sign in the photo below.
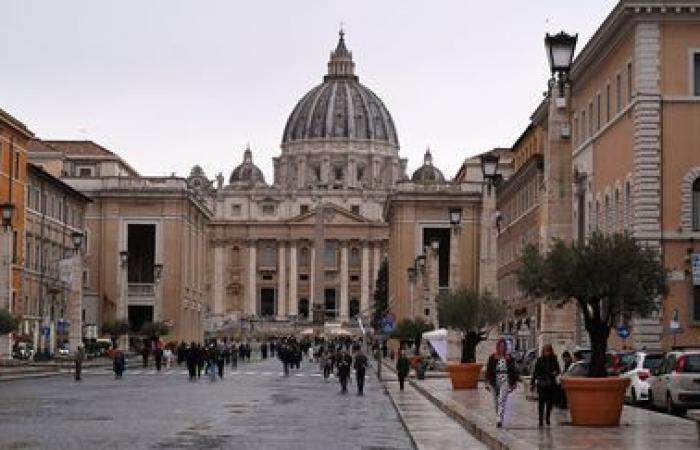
(390, 318)
(388, 328)
(623, 331)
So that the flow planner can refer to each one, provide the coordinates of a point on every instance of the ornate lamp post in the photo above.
(6, 247)
(560, 54)
(489, 168)
(412, 276)
(123, 309)
(455, 219)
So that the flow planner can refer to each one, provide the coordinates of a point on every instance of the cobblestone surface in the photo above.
(252, 408)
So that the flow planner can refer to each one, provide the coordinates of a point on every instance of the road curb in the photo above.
(398, 413)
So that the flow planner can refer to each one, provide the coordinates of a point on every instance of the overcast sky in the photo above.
(168, 84)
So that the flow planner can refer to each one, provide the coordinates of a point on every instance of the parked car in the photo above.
(23, 350)
(638, 369)
(614, 361)
(675, 384)
(63, 351)
(526, 363)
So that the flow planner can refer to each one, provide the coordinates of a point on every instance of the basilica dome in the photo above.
(428, 173)
(340, 107)
(247, 172)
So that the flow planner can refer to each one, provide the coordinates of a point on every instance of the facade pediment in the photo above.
(337, 215)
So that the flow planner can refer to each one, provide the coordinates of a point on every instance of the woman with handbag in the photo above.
(544, 377)
(501, 378)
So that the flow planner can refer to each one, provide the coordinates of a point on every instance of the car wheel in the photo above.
(651, 401)
(633, 397)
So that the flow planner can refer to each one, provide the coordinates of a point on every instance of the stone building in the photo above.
(147, 243)
(14, 136)
(54, 213)
(311, 239)
(634, 103)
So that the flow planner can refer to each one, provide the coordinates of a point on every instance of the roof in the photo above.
(79, 148)
(41, 173)
(16, 124)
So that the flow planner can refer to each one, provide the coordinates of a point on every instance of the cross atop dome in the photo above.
(341, 63)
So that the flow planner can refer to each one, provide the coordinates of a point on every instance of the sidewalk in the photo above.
(639, 428)
(428, 427)
(46, 369)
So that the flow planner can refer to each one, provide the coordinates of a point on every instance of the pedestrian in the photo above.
(234, 356)
(220, 362)
(501, 377)
(158, 354)
(284, 356)
(79, 355)
(191, 357)
(181, 353)
(568, 361)
(168, 357)
(201, 359)
(360, 367)
(119, 362)
(263, 350)
(545, 380)
(344, 364)
(145, 351)
(402, 368)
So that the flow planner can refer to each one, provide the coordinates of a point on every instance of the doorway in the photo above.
(267, 302)
(330, 303)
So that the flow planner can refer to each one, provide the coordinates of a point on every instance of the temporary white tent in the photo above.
(437, 340)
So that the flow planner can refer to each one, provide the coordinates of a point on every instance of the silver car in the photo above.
(675, 385)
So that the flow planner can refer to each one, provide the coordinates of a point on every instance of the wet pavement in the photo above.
(639, 428)
(252, 408)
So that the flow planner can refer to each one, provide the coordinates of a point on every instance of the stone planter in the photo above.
(464, 376)
(595, 401)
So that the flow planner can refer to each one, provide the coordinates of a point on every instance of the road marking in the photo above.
(267, 373)
(251, 373)
(299, 375)
(315, 374)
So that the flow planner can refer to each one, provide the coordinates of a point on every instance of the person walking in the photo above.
(360, 368)
(201, 359)
(220, 362)
(344, 364)
(501, 377)
(545, 380)
(119, 363)
(145, 351)
(158, 354)
(190, 356)
(79, 355)
(402, 368)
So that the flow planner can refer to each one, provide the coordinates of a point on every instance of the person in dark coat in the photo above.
(344, 364)
(360, 366)
(263, 350)
(220, 362)
(402, 368)
(181, 353)
(201, 359)
(234, 356)
(145, 351)
(545, 380)
(119, 363)
(502, 378)
(158, 355)
(79, 355)
(191, 358)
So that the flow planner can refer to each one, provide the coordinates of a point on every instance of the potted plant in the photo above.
(609, 276)
(152, 331)
(412, 330)
(472, 313)
(8, 324)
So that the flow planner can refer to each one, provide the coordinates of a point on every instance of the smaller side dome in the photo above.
(428, 173)
(247, 172)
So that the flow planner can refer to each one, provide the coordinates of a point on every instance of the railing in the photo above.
(141, 290)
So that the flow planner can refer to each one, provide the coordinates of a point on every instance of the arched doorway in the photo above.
(267, 302)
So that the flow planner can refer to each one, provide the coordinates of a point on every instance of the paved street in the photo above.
(252, 408)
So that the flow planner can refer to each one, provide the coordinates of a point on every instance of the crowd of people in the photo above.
(339, 355)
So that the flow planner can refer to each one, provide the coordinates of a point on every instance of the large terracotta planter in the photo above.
(595, 401)
(414, 359)
(464, 376)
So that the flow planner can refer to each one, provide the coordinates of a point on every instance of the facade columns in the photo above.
(376, 261)
(281, 281)
(293, 280)
(312, 283)
(454, 281)
(252, 279)
(218, 280)
(344, 310)
(364, 277)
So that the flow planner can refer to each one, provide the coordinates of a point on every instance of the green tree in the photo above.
(472, 313)
(381, 295)
(8, 323)
(154, 330)
(412, 330)
(115, 329)
(609, 276)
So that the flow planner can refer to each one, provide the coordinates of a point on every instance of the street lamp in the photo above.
(77, 237)
(124, 258)
(157, 272)
(560, 53)
(7, 210)
(455, 219)
(489, 168)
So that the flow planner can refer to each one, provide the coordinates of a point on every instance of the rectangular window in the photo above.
(598, 116)
(629, 81)
(330, 255)
(696, 74)
(696, 303)
(355, 209)
(268, 210)
(235, 210)
(303, 209)
(607, 103)
(618, 93)
(84, 171)
(17, 164)
(584, 132)
(590, 119)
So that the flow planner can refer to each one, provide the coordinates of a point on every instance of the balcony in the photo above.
(141, 290)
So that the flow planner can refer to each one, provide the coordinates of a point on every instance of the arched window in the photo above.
(355, 257)
(628, 205)
(617, 205)
(696, 205)
(607, 225)
(235, 256)
(305, 257)
(597, 215)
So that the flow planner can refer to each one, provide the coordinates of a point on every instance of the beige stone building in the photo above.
(54, 213)
(147, 243)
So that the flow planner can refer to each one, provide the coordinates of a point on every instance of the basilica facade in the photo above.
(313, 237)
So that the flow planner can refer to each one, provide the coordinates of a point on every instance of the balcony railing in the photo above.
(141, 290)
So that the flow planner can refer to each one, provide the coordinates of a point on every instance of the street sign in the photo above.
(390, 318)
(623, 331)
(45, 332)
(388, 328)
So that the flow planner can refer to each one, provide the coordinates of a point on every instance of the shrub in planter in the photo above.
(412, 330)
(610, 277)
(472, 313)
(8, 323)
(115, 329)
